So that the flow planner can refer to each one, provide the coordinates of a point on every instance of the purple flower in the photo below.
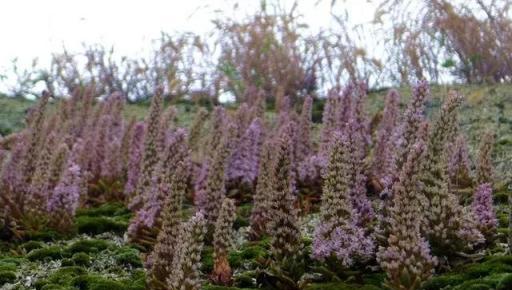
(312, 168)
(66, 195)
(384, 163)
(134, 163)
(244, 161)
(483, 210)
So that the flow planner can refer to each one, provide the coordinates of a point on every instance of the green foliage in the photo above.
(247, 254)
(500, 198)
(488, 274)
(214, 287)
(31, 245)
(7, 277)
(207, 259)
(243, 216)
(12, 112)
(77, 278)
(81, 259)
(45, 235)
(97, 225)
(109, 217)
(88, 246)
(318, 108)
(47, 253)
(505, 283)
(127, 256)
(97, 283)
(443, 281)
(340, 286)
(6, 266)
(107, 209)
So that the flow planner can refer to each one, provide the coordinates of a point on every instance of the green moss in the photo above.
(340, 286)
(503, 220)
(137, 281)
(88, 246)
(97, 225)
(95, 282)
(67, 262)
(7, 277)
(505, 283)
(5, 266)
(56, 287)
(48, 253)
(128, 256)
(246, 279)
(215, 287)
(477, 286)
(248, 253)
(494, 265)
(31, 245)
(81, 259)
(62, 277)
(487, 274)
(443, 282)
(243, 215)
(108, 210)
(45, 236)
(501, 197)
(374, 278)
(207, 259)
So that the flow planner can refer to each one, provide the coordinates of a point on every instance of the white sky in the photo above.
(35, 28)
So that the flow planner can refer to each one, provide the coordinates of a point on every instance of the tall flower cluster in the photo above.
(483, 210)
(328, 119)
(187, 260)
(35, 122)
(160, 261)
(64, 201)
(384, 163)
(449, 227)
(360, 202)
(12, 183)
(217, 129)
(459, 164)
(243, 119)
(244, 161)
(134, 163)
(150, 154)
(338, 236)
(40, 183)
(413, 117)
(174, 161)
(196, 128)
(201, 173)
(222, 242)
(484, 167)
(33, 175)
(406, 257)
(104, 136)
(305, 146)
(284, 229)
(126, 140)
(215, 189)
(260, 214)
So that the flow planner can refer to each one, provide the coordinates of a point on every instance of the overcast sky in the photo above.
(34, 28)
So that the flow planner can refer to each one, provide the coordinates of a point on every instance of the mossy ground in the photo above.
(103, 260)
(97, 259)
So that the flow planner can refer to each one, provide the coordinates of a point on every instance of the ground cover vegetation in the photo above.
(132, 174)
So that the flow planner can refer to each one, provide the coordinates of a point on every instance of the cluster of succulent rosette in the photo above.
(388, 192)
